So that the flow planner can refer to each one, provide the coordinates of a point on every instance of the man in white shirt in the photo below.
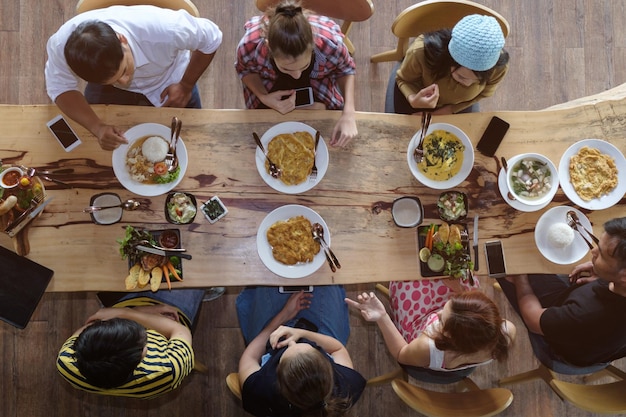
(128, 55)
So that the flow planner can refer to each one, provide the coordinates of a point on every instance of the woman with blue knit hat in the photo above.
(451, 70)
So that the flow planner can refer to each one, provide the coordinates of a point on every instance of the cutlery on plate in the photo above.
(318, 233)
(275, 171)
(313, 174)
(574, 216)
(418, 153)
(475, 242)
(505, 165)
(572, 223)
(163, 252)
(28, 215)
(170, 158)
(129, 204)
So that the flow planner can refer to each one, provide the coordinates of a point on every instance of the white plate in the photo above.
(563, 256)
(604, 201)
(321, 158)
(119, 160)
(468, 158)
(265, 250)
(516, 204)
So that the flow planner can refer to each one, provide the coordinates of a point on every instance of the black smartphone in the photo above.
(495, 259)
(492, 136)
(304, 96)
(295, 288)
(63, 133)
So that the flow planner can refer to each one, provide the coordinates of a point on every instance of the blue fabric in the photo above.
(186, 300)
(256, 306)
(476, 42)
(107, 94)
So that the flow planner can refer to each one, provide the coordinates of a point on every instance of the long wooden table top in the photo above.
(354, 197)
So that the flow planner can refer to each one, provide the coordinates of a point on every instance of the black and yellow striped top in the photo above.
(163, 368)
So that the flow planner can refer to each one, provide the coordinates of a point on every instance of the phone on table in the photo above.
(495, 259)
(492, 136)
(63, 133)
(295, 288)
(304, 96)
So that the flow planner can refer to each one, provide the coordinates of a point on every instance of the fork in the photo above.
(313, 174)
(418, 153)
(34, 202)
(170, 158)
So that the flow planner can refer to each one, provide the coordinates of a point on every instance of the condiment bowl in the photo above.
(10, 177)
(515, 169)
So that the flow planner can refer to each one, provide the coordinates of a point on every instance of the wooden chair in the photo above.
(606, 398)
(85, 5)
(347, 10)
(431, 15)
(232, 381)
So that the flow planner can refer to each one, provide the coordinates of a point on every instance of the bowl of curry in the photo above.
(448, 157)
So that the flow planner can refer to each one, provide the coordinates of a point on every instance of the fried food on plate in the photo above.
(292, 241)
(592, 173)
(294, 154)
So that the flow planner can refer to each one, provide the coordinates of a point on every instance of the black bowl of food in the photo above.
(452, 206)
(180, 208)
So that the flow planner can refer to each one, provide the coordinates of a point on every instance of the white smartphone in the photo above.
(63, 133)
(304, 96)
(495, 259)
(295, 288)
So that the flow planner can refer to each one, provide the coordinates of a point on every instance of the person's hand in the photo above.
(176, 95)
(345, 130)
(298, 301)
(110, 137)
(275, 100)
(160, 309)
(106, 313)
(372, 309)
(287, 334)
(426, 98)
(583, 273)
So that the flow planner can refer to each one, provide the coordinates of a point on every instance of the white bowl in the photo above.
(466, 167)
(7, 171)
(554, 179)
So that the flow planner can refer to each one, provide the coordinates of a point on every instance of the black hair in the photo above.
(616, 228)
(108, 351)
(439, 60)
(94, 52)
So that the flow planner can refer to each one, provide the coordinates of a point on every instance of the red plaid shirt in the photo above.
(332, 61)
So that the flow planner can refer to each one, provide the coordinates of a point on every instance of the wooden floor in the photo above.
(560, 50)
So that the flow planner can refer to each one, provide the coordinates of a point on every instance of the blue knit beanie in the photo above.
(476, 42)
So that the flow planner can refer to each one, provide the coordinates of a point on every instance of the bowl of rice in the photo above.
(558, 242)
(134, 163)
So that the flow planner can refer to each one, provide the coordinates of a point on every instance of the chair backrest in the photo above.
(607, 398)
(350, 10)
(431, 15)
(232, 381)
(474, 403)
(85, 5)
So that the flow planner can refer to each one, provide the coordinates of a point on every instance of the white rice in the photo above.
(560, 235)
(154, 149)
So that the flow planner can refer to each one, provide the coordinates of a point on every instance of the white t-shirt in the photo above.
(160, 41)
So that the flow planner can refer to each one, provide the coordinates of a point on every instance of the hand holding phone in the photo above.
(493, 135)
(63, 133)
(304, 96)
(295, 288)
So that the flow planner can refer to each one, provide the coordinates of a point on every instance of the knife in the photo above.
(16, 227)
(162, 252)
(476, 243)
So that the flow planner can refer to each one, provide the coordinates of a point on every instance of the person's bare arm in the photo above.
(273, 100)
(76, 107)
(179, 94)
(345, 129)
(528, 303)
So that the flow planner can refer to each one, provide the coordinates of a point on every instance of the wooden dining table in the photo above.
(354, 197)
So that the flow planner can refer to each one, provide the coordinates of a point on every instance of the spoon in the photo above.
(318, 233)
(505, 165)
(32, 171)
(274, 170)
(572, 214)
(126, 205)
(176, 126)
(572, 223)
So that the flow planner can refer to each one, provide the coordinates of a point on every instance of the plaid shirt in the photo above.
(332, 61)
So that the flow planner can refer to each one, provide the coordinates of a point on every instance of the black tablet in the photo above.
(22, 284)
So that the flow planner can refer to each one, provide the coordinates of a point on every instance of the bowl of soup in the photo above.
(532, 178)
(448, 157)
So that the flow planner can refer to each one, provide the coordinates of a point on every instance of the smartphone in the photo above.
(295, 288)
(495, 259)
(493, 135)
(304, 96)
(63, 133)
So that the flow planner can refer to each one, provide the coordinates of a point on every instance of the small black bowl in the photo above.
(173, 220)
(457, 197)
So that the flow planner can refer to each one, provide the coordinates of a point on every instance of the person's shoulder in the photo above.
(326, 29)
